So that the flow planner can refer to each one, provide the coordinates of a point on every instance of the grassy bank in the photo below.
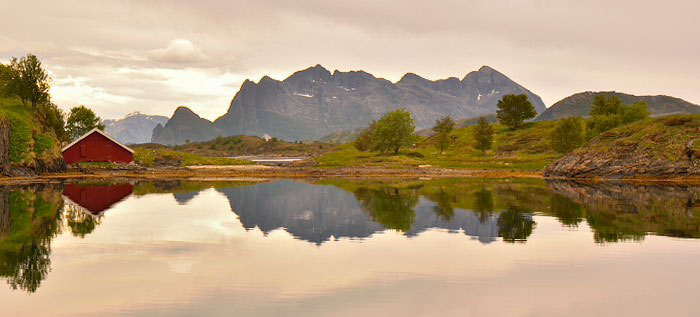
(155, 157)
(525, 149)
(29, 139)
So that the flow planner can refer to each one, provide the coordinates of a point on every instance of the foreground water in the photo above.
(454, 247)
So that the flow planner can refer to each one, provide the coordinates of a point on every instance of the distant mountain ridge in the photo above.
(314, 102)
(133, 128)
(185, 126)
(580, 105)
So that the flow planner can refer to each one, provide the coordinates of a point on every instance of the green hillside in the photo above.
(580, 105)
(523, 149)
(31, 143)
(655, 147)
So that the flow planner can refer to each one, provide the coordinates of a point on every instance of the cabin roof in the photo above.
(100, 132)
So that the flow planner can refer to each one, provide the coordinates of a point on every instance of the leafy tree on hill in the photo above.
(5, 77)
(28, 80)
(81, 120)
(483, 135)
(608, 113)
(394, 130)
(443, 127)
(569, 135)
(514, 109)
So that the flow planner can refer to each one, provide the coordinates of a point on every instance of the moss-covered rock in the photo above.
(651, 148)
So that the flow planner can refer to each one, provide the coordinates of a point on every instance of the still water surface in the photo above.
(441, 247)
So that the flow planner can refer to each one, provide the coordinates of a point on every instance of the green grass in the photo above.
(28, 138)
(21, 123)
(524, 149)
(150, 157)
(661, 139)
(42, 143)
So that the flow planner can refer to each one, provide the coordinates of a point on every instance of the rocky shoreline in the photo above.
(587, 165)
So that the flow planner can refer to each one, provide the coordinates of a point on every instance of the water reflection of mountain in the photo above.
(316, 213)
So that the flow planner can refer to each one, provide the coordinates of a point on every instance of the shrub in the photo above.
(568, 135)
(483, 135)
(363, 143)
(443, 127)
(415, 154)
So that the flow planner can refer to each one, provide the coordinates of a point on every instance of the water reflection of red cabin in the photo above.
(97, 198)
(96, 146)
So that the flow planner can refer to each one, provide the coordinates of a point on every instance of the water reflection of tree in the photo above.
(443, 204)
(392, 207)
(566, 210)
(483, 204)
(515, 224)
(34, 220)
(80, 223)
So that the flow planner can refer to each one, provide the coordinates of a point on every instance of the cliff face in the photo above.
(313, 103)
(4, 146)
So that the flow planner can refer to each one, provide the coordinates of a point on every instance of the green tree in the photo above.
(363, 143)
(28, 80)
(5, 81)
(483, 135)
(569, 135)
(635, 112)
(514, 109)
(608, 113)
(393, 131)
(53, 117)
(443, 127)
(81, 120)
(603, 106)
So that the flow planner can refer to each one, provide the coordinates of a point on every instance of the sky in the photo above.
(118, 57)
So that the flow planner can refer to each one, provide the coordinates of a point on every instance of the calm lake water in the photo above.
(440, 247)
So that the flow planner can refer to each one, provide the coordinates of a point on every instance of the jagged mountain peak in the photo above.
(184, 111)
(314, 102)
(412, 78)
(133, 128)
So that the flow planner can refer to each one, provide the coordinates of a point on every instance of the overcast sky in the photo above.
(152, 56)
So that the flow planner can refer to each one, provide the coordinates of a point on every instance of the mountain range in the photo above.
(580, 105)
(134, 128)
(314, 102)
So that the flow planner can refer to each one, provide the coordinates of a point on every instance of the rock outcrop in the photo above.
(654, 148)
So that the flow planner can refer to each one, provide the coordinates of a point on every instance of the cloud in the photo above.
(155, 55)
(179, 51)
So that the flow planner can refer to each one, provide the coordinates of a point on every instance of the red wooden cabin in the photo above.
(96, 146)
